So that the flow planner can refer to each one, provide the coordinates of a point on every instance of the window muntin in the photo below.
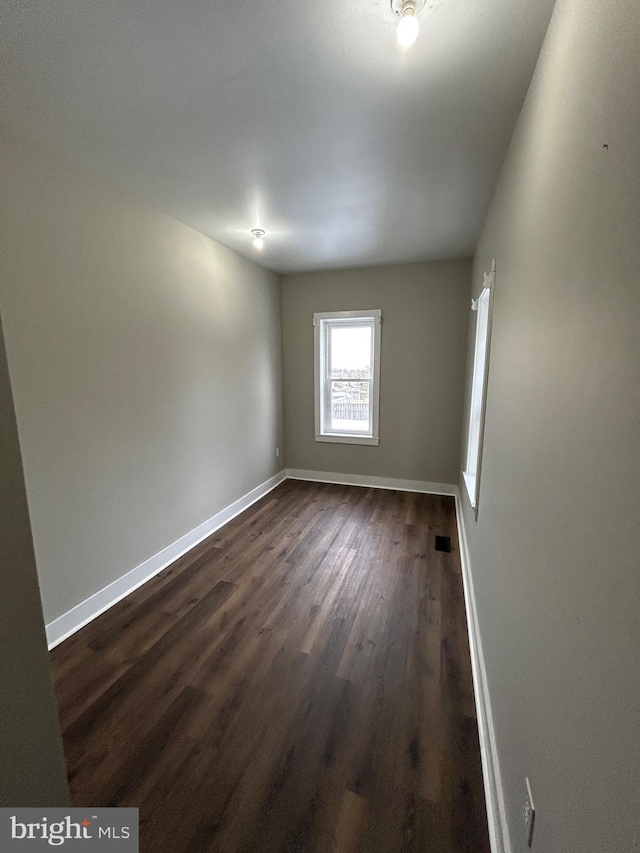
(347, 346)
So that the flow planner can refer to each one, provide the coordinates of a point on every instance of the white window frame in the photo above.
(483, 307)
(322, 322)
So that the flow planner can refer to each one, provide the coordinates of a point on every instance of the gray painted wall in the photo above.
(425, 310)
(146, 369)
(556, 550)
(32, 771)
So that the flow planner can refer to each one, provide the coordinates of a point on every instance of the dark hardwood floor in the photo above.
(298, 682)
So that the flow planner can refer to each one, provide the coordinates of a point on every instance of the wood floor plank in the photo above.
(300, 682)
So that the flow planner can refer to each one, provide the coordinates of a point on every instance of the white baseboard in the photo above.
(71, 621)
(372, 482)
(496, 812)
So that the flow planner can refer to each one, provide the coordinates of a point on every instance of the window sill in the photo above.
(471, 483)
(336, 438)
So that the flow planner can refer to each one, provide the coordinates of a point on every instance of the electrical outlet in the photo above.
(529, 814)
(277, 452)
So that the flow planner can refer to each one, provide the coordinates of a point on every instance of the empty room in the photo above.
(320, 414)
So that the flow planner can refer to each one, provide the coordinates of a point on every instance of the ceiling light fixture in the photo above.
(258, 234)
(408, 26)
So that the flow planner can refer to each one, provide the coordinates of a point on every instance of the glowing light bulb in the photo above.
(408, 28)
(258, 234)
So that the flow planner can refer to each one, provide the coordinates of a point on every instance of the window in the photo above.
(482, 307)
(347, 376)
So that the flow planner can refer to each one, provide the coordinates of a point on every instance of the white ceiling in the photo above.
(302, 117)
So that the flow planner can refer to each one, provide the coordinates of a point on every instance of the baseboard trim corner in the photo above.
(371, 482)
(86, 611)
(494, 796)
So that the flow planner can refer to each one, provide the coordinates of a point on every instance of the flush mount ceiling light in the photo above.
(408, 26)
(258, 234)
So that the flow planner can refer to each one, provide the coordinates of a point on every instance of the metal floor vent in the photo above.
(443, 543)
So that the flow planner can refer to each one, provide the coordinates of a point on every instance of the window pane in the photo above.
(477, 393)
(349, 406)
(350, 351)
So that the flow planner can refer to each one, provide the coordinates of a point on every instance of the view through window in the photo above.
(350, 371)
